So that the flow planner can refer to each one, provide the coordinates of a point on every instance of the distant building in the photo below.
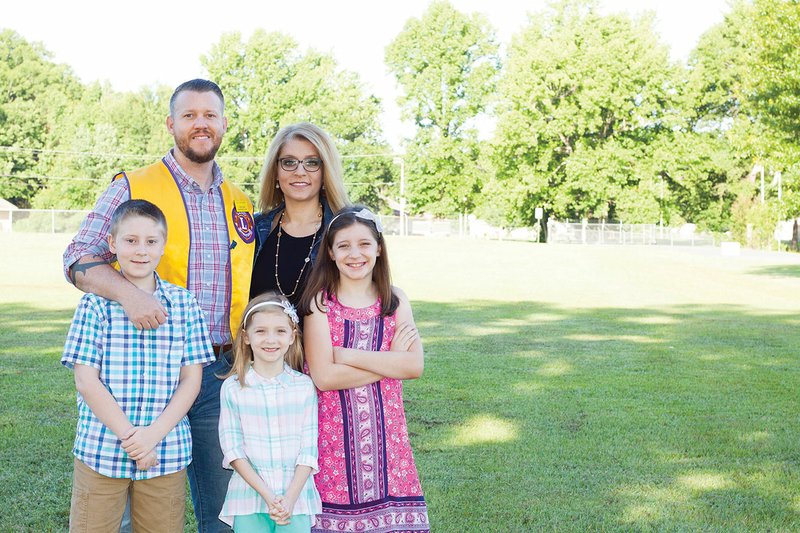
(6, 209)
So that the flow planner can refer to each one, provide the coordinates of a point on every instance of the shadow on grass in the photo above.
(789, 271)
(22, 323)
(528, 417)
(37, 419)
(607, 418)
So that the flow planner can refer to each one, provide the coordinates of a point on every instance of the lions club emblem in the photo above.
(243, 222)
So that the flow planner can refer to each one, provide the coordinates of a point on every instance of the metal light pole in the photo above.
(400, 161)
(661, 208)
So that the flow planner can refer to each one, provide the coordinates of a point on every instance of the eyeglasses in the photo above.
(290, 164)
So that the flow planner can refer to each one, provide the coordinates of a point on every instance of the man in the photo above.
(210, 252)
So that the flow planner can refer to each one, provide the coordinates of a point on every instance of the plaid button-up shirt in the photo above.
(273, 424)
(209, 261)
(141, 369)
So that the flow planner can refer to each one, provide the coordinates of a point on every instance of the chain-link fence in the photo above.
(619, 233)
(425, 226)
(68, 221)
(41, 220)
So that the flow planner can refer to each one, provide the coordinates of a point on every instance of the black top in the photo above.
(294, 251)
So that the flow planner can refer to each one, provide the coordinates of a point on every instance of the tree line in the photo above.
(589, 118)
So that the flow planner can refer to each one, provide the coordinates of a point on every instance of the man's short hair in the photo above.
(197, 85)
(140, 208)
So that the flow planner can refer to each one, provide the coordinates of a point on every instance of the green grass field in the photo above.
(566, 388)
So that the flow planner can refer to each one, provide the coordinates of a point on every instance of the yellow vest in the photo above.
(156, 184)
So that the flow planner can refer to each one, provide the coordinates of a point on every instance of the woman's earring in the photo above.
(323, 186)
(277, 185)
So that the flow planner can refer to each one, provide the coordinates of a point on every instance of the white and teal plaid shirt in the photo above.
(141, 369)
(273, 424)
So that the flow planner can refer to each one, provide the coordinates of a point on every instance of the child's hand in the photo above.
(288, 504)
(139, 442)
(148, 462)
(278, 511)
(404, 336)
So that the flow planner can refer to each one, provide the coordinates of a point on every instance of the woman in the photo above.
(301, 188)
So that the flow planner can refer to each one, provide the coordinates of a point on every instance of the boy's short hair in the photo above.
(140, 208)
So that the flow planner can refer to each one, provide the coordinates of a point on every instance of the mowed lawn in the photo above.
(567, 388)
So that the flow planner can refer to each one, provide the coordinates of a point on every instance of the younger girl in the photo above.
(361, 342)
(268, 424)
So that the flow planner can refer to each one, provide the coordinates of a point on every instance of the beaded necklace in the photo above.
(305, 261)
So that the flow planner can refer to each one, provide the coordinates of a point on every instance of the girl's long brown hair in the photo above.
(243, 353)
(325, 274)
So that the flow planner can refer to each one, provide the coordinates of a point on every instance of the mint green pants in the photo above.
(260, 522)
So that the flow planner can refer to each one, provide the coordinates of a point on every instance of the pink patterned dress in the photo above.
(367, 478)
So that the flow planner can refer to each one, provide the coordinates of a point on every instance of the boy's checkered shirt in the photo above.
(141, 369)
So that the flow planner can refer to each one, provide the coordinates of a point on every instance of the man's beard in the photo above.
(197, 157)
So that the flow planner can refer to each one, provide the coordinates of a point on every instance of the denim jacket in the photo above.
(263, 223)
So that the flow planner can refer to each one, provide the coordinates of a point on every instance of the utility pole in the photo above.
(399, 160)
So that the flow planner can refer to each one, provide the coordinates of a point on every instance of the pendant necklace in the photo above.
(305, 261)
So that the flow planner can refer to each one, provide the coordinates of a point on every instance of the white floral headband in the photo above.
(364, 214)
(288, 308)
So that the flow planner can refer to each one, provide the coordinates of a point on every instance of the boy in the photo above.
(134, 389)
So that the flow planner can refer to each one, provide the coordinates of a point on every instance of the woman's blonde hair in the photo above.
(243, 353)
(332, 174)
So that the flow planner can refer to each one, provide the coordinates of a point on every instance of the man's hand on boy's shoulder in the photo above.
(143, 309)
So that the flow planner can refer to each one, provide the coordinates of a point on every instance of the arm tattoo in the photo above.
(82, 268)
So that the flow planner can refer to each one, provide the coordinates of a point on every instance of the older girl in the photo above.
(361, 343)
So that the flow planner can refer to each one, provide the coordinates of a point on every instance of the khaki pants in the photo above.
(157, 504)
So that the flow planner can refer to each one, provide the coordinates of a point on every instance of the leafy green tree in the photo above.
(702, 164)
(754, 222)
(583, 99)
(270, 83)
(34, 93)
(774, 83)
(699, 176)
(103, 133)
(713, 94)
(446, 63)
(736, 121)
